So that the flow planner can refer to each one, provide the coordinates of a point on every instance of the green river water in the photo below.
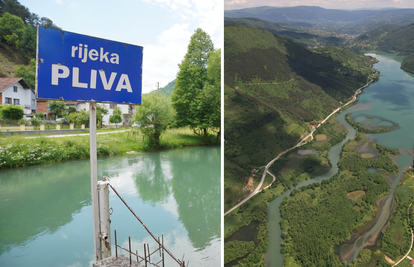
(46, 216)
(392, 99)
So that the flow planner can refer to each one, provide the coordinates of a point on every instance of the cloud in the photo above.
(58, 1)
(161, 60)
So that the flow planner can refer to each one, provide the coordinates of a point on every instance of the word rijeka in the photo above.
(93, 54)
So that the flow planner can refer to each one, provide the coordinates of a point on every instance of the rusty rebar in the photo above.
(116, 248)
(132, 211)
(145, 256)
(130, 259)
(138, 256)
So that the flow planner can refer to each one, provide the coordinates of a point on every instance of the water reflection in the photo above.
(175, 192)
(39, 200)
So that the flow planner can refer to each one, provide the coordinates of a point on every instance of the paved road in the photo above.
(70, 135)
(302, 142)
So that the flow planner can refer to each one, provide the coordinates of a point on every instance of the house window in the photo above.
(15, 89)
(8, 100)
(33, 102)
(16, 101)
(112, 105)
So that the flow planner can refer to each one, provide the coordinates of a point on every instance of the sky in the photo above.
(329, 4)
(162, 27)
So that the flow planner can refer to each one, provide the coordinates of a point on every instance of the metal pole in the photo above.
(105, 221)
(94, 181)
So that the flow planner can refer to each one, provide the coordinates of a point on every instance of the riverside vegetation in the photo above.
(276, 98)
(303, 231)
(269, 104)
(17, 151)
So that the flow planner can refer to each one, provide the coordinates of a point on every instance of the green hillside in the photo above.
(345, 21)
(305, 36)
(392, 39)
(18, 40)
(274, 91)
(166, 90)
(389, 38)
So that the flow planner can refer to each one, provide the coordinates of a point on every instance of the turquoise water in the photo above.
(46, 216)
(391, 98)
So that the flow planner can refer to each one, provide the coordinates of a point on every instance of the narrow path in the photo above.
(269, 83)
(70, 135)
(412, 238)
(302, 142)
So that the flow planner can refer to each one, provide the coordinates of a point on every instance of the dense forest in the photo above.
(305, 36)
(310, 211)
(275, 98)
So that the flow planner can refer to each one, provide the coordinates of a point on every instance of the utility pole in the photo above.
(158, 86)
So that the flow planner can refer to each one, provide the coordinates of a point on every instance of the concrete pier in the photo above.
(121, 261)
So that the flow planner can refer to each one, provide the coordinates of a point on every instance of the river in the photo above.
(46, 216)
(391, 98)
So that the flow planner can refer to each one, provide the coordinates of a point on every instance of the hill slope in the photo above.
(274, 91)
(305, 36)
(347, 21)
(392, 39)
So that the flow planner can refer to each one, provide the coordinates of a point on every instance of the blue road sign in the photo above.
(77, 67)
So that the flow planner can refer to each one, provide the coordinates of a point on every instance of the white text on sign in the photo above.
(62, 72)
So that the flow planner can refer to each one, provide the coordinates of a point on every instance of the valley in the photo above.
(308, 210)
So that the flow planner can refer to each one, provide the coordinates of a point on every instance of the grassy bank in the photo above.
(18, 151)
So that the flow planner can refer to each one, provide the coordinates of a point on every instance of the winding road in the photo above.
(302, 142)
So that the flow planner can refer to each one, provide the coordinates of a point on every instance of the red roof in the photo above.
(6, 82)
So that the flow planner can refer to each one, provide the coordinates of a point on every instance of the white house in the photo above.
(16, 91)
(127, 111)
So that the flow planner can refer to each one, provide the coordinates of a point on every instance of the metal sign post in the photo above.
(94, 181)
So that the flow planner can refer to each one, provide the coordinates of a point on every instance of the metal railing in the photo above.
(146, 258)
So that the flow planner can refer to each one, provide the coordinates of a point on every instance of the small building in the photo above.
(18, 92)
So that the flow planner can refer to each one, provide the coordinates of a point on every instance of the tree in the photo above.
(40, 115)
(27, 43)
(154, 116)
(100, 112)
(116, 116)
(58, 107)
(15, 8)
(28, 73)
(12, 112)
(78, 118)
(208, 102)
(11, 29)
(71, 109)
(35, 121)
(191, 82)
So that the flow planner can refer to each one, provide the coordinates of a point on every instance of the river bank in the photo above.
(19, 151)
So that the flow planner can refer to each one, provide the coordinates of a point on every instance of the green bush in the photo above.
(12, 112)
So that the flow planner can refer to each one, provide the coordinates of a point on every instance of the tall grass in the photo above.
(18, 151)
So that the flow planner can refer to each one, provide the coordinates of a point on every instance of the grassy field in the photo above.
(355, 195)
(18, 151)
